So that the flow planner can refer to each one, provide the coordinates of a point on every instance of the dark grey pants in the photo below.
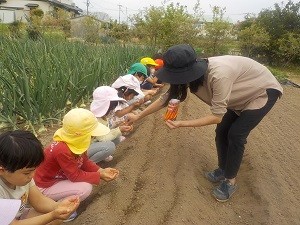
(232, 133)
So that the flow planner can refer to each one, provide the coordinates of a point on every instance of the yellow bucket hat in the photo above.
(148, 61)
(79, 125)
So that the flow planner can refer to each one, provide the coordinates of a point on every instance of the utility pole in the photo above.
(120, 13)
(126, 16)
(87, 7)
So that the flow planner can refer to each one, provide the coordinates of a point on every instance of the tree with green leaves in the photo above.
(58, 19)
(149, 27)
(119, 31)
(217, 33)
(283, 27)
(289, 47)
(165, 26)
(92, 29)
(34, 24)
(252, 39)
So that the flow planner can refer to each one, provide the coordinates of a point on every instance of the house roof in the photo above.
(67, 7)
(32, 5)
(10, 7)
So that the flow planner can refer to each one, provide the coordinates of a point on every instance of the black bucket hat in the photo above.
(181, 65)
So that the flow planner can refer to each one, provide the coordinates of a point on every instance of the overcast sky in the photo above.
(235, 9)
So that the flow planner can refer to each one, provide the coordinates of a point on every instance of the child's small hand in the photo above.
(66, 207)
(152, 91)
(125, 128)
(159, 85)
(139, 103)
(109, 174)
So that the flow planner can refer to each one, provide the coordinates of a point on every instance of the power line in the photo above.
(109, 2)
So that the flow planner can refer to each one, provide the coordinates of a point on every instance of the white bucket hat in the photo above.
(128, 81)
(102, 96)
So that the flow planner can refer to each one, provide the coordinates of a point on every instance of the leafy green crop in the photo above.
(39, 78)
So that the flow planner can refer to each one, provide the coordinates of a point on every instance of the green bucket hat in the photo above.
(138, 67)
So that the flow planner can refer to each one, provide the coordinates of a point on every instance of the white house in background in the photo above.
(15, 10)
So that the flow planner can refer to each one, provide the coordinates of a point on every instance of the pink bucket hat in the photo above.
(128, 81)
(102, 96)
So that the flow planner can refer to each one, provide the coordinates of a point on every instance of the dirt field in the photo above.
(161, 173)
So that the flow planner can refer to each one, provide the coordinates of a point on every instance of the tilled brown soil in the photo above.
(161, 173)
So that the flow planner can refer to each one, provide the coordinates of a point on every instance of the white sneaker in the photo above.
(109, 158)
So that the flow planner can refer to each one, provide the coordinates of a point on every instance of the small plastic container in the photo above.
(114, 121)
(172, 110)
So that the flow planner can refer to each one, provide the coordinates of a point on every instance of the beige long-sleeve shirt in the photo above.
(113, 134)
(237, 83)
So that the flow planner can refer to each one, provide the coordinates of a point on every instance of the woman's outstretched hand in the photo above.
(131, 118)
(173, 124)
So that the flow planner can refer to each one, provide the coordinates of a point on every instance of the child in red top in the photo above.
(66, 170)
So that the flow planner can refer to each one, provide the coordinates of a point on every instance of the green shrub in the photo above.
(37, 12)
(107, 40)
(4, 30)
(33, 33)
(15, 29)
(54, 34)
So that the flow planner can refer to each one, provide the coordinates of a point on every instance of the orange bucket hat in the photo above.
(160, 63)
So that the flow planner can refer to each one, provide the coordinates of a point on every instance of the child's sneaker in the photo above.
(72, 217)
(122, 138)
(109, 158)
(224, 191)
(215, 175)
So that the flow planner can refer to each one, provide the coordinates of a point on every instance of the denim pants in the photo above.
(232, 133)
(100, 150)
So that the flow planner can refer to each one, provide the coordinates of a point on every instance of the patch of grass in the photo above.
(280, 74)
(291, 71)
